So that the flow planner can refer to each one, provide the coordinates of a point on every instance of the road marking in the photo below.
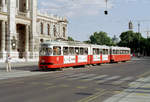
(76, 75)
(92, 97)
(144, 74)
(108, 79)
(64, 85)
(82, 77)
(122, 80)
(117, 92)
(81, 87)
(94, 78)
(34, 83)
(47, 83)
(50, 87)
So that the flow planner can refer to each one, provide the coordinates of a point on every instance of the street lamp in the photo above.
(106, 12)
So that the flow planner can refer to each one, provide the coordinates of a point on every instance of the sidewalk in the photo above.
(20, 69)
(19, 64)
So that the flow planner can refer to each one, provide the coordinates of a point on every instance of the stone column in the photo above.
(3, 5)
(3, 36)
(3, 53)
(18, 5)
(27, 5)
(27, 43)
(33, 26)
(11, 23)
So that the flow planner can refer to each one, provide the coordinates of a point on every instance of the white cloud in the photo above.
(73, 7)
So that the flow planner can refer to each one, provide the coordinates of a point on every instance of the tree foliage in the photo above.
(135, 41)
(100, 38)
(70, 38)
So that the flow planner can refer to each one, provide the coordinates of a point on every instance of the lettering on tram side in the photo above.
(69, 59)
(82, 58)
(96, 58)
(104, 57)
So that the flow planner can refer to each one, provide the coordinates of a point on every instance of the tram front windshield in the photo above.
(45, 51)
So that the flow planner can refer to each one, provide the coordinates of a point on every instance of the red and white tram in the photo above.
(119, 54)
(99, 54)
(63, 54)
(59, 54)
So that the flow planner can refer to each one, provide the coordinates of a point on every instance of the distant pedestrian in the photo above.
(8, 63)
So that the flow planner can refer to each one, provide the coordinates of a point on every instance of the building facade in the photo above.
(23, 28)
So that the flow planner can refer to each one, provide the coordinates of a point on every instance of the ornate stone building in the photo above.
(22, 28)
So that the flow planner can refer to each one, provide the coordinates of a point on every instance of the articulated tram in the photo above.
(60, 54)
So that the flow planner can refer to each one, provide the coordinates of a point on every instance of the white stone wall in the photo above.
(32, 18)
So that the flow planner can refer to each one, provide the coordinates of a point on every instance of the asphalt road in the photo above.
(90, 84)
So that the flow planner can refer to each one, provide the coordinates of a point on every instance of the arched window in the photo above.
(41, 28)
(48, 29)
(54, 29)
(64, 32)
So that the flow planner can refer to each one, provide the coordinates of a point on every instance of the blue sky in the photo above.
(87, 16)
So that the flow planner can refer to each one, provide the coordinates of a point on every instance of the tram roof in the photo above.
(99, 46)
(73, 43)
(65, 43)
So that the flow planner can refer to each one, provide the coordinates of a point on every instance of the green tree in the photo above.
(100, 38)
(70, 38)
(133, 40)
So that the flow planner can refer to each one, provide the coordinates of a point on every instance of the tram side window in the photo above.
(127, 52)
(106, 51)
(65, 50)
(114, 51)
(48, 51)
(56, 50)
(45, 51)
(118, 52)
(124, 52)
(42, 52)
(103, 51)
(85, 51)
(81, 51)
(121, 52)
(96, 51)
(77, 51)
(71, 50)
